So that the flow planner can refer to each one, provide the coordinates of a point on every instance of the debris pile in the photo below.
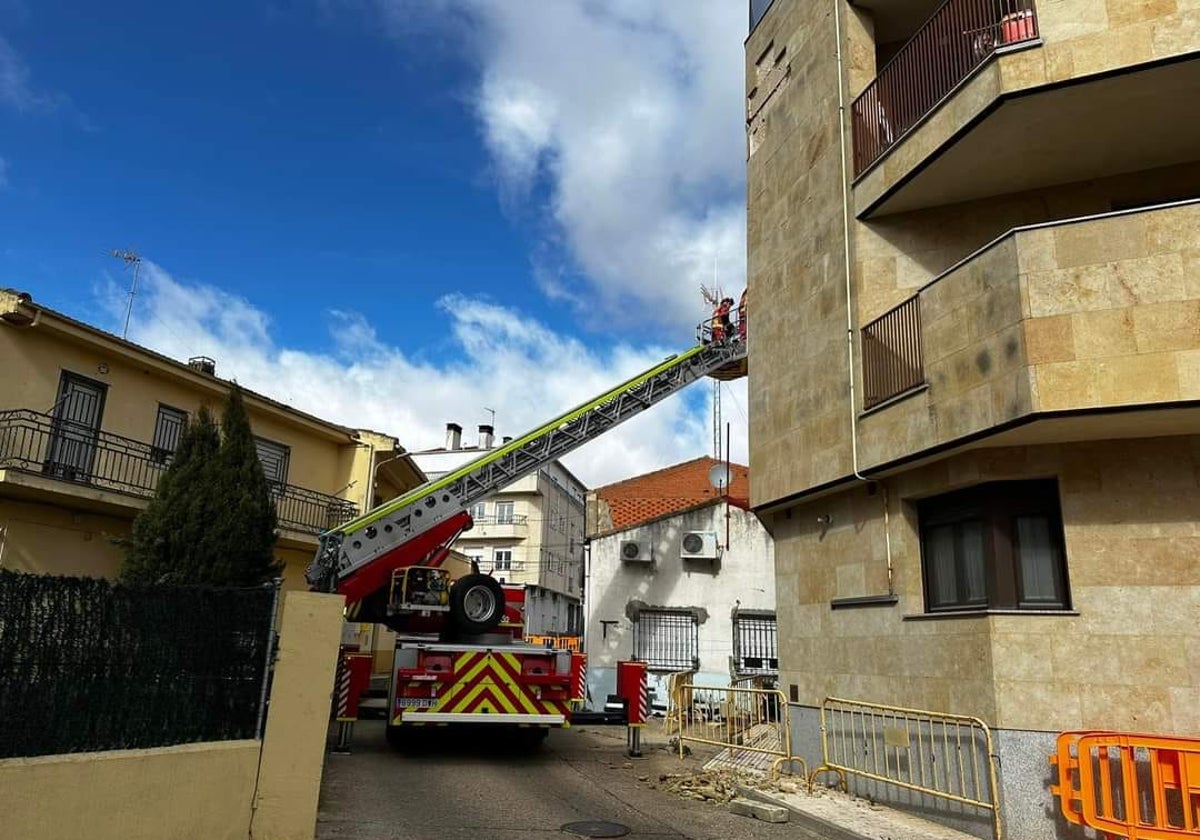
(718, 785)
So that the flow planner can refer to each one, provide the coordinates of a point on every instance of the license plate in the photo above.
(414, 702)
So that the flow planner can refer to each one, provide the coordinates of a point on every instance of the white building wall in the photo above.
(744, 578)
(546, 536)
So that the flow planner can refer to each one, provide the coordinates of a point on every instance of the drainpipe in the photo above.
(846, 269)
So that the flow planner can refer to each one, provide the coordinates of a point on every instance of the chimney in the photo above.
(203, 364)
(453, 436)
(485, 437)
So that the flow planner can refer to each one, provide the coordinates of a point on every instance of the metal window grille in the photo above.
(168, 426)
(755, 644)
(667, 640)
(274, 458)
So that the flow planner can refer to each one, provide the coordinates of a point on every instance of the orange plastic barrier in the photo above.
(1142, 787)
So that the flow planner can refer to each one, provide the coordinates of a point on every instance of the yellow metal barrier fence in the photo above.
(751, 725)
(947, 756)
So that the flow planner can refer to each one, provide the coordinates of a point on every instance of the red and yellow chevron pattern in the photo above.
(489, 682)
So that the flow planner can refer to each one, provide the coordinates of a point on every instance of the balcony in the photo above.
(993, 98)
(37, 444)
(949, 47)
(1083, 328)
(508, 526)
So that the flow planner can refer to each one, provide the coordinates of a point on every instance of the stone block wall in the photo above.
(1124, 658)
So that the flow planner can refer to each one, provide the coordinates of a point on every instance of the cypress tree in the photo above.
(212, 518)
(165, 546)
(241, 540)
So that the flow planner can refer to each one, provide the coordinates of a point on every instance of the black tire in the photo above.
(476, 604)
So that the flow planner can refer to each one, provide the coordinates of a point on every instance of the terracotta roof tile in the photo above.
(680, 487)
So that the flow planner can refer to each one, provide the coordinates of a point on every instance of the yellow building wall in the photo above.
(34, 360)
(188, 792)
(48, 539)
(1127, 661)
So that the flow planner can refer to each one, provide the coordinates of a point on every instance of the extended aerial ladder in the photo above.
(359, 558)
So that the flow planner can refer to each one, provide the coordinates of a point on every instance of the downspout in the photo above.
(846, 270)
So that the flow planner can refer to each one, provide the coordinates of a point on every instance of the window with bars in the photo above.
(994, 546)
(755, 643)
(667, 640)
(168, 426)
(274, 458)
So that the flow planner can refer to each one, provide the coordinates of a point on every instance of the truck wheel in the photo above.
(476, 604)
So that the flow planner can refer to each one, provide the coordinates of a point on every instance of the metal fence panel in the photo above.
(947, 756)
(89, 665)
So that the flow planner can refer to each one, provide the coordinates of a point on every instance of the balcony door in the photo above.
(76, 426)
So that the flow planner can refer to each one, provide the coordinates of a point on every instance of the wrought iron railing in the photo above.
(891, 353)
(956, 39)
(39, 443)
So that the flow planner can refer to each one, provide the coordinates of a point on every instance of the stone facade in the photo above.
(1060, 336)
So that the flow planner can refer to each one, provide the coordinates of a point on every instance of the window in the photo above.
(502, 559)
(478, 511)
(755, 643)
(167, 428)
(994, 546)
(504, 513)
(274, 458)
(666, 640)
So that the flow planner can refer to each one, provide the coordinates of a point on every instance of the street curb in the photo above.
(828, 830)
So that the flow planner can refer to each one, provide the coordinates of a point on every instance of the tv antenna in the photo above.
(129, 258)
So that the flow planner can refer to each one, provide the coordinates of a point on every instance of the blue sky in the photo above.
(383, 189)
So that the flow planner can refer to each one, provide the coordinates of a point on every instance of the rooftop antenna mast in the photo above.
(129, 258)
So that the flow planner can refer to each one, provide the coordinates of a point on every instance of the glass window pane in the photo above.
(504, 513)
(973, 563)
(1040, 561)
(939, 560)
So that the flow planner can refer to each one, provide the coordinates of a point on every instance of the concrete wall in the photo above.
(285, 805)
(188, 792)
(616, 589)
(198, 791)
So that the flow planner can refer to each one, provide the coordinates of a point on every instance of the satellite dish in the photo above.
(719, 476)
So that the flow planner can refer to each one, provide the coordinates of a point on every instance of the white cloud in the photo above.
(504, 360)
(630, 114)
(16, 90)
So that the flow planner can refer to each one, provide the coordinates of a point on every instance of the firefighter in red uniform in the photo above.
(721, 326)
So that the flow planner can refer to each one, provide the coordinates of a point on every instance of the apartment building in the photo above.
(530, 532)
(681, 577)
(974, 270)
(88, 423)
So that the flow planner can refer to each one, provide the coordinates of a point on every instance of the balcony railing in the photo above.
(959, 37)
(891, 348)
(39, 443)
(510, 519)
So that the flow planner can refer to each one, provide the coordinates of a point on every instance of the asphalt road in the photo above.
(464, 790)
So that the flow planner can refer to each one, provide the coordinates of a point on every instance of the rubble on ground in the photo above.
(721, 786)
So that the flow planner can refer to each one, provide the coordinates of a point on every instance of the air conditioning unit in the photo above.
(700, 545)
(634, 551)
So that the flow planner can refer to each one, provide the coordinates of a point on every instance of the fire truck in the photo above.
(460, 657)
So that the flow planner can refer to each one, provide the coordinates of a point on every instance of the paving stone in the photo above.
(759, 810)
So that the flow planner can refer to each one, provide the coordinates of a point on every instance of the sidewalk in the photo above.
(827, 812)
